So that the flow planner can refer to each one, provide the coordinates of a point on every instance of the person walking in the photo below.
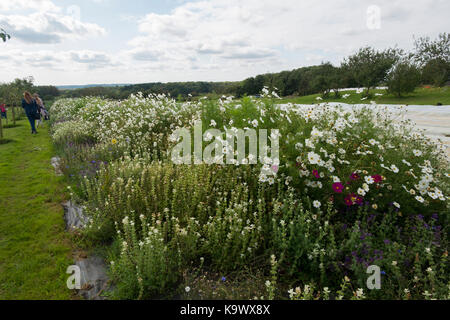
(31, 110)
(3, 111)
(40, 106)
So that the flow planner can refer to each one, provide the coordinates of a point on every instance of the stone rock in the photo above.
(93, 280)
(74, 216)
(56, 162)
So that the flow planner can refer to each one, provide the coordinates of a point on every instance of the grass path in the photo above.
(34, 248)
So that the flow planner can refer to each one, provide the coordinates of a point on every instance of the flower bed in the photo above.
(350, 189)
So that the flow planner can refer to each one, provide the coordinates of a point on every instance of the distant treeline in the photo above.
(401, 71)
(302, 81)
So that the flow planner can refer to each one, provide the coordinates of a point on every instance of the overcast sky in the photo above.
(115, 41)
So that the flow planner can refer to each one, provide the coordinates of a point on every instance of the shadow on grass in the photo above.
(11, 126)
(5, 141)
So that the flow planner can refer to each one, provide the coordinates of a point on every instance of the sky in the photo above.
(69, 42)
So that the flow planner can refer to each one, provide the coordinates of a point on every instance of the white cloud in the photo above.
(45, 24)
(202, 40)
(233, 32)
(71, 61)
(39, 5)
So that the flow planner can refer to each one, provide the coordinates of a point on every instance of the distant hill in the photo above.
(74, 87)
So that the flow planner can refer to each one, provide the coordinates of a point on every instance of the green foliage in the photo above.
(370, 67)
(436, 72)
(403, 78)
(3, 35)
(434, 57)
(12, 93)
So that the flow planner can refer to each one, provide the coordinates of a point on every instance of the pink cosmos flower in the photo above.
(377, 178)
(338, 187)
(348, 201)
(316, 174)
(359, 200)
(354, 176)
(351, 199)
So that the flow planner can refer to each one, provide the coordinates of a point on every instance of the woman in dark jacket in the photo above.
(31, 110)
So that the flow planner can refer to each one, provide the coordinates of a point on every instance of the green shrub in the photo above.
(404, 78)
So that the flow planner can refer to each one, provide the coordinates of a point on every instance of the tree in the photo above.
(434, 58)
(47, 92)
(369, 67)
(403, 78)
(11, 93)
(326, 79)
(3, 35)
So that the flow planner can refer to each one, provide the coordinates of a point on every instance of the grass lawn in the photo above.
(422, 96)
(35, 251)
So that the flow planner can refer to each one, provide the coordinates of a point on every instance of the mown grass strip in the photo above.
(34, 248)
(422, 96)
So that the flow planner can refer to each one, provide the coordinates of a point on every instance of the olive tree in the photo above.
(434, 58)
(403, 78)
(370, 67)
(11, 93)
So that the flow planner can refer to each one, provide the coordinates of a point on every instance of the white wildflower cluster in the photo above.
(138, 123)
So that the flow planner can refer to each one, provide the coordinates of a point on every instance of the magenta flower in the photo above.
(359, 200)
(338, 187)
(354, 176)
(351, 199)
(377, 178)
(348, 201)
(316, 174)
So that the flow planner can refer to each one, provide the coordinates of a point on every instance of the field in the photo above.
(34, 248)
(422, 96)
(332, 193)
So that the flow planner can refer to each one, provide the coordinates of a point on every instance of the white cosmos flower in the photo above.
(397, 205)
(317, 204)
(433, 195)
(417, 153)
(313, 158)
(407, 163)
(420, 199)
(316, 133)
(369, 180)
(299, 146)
(395, 169)
(309, 143)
